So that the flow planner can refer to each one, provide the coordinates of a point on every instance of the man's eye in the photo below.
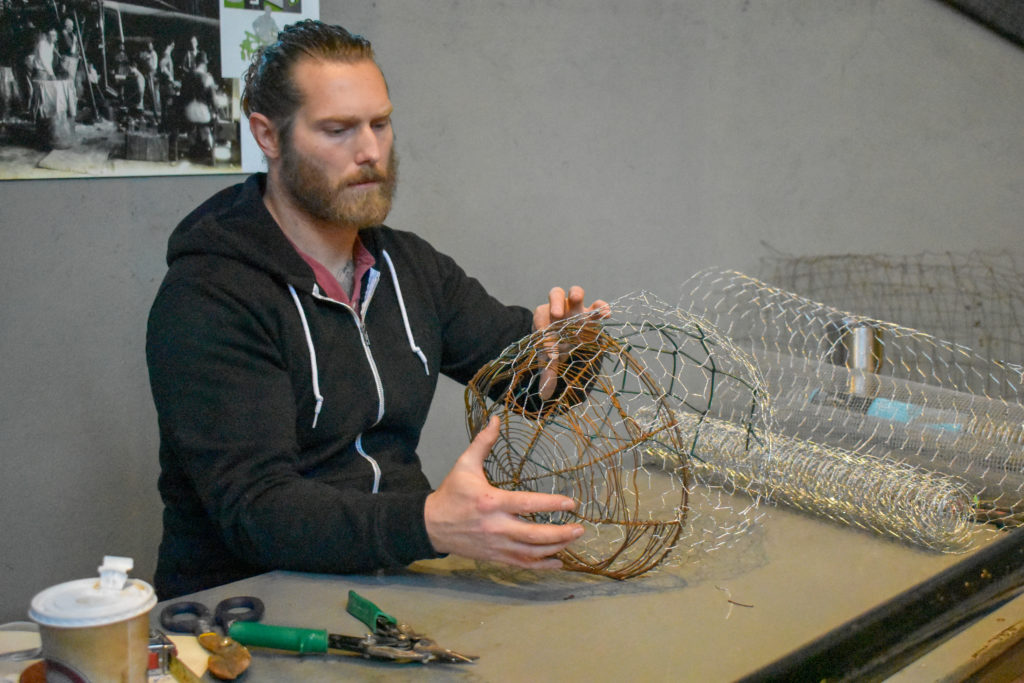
(381, 125)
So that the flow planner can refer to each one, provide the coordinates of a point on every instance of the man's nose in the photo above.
(368, 146)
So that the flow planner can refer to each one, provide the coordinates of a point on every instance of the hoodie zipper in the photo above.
(364, 338)
(371, 286)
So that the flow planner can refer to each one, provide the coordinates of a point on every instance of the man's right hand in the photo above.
(469, 517)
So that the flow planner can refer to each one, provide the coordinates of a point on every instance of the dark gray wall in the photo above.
(618, 145)
(80, 265)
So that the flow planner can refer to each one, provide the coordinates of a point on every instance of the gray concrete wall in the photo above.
(617, 145)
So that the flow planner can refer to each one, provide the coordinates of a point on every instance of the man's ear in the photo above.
(265, 135)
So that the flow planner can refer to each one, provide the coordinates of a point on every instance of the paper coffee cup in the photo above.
(96, 630)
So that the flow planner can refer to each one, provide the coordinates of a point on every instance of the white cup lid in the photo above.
(93, 602)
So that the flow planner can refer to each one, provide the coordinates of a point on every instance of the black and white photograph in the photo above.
(104, 88)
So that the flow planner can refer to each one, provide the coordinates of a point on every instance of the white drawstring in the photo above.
(405, 317)
(312, 356)
(373, 463)
(312, 350)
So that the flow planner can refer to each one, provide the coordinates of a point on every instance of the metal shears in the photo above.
(389, 640)
(228, 657)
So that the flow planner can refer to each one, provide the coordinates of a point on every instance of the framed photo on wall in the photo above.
(102, 88)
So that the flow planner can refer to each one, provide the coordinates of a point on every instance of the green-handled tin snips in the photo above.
(389, 640)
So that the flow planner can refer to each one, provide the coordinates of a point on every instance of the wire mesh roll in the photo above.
(975, 438)
(862, 384)
(856, 489)
(975, 298)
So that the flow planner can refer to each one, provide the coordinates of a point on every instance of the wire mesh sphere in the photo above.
(580, 404)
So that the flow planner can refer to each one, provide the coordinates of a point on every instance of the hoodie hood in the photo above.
(235, 224)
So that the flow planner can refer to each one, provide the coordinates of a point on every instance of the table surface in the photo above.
(792, 579)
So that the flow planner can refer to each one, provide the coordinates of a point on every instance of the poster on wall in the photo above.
(245, 26)
(104, 88)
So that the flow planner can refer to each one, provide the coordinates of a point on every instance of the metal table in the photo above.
(786, 584)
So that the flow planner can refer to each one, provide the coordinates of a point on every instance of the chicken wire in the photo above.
(623, 382)
(660, 427)
(861, 490)
(973, 298)
(862, 384)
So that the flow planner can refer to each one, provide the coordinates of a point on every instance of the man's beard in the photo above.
(339, 204)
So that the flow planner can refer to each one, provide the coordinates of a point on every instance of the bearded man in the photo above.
(295, 344)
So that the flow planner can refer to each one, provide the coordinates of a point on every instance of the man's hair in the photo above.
(269, 88)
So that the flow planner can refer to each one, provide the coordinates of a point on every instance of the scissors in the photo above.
(228, 658)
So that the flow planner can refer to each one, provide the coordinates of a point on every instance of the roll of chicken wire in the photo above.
(860, 384)
(876, 494)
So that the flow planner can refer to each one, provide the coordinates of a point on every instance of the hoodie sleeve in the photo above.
(230, 454)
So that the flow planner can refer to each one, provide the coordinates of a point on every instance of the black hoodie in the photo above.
(289, 421)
